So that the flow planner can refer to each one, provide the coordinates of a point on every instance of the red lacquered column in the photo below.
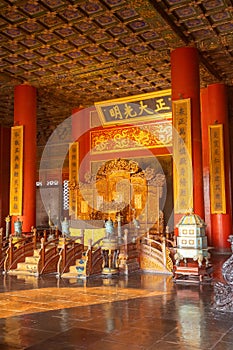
(76, 123)
(81, 134)
(25, 114)
(186, 84)
(205, 121)
(218, 113)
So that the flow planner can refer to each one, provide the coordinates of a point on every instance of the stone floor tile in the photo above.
(138, 312)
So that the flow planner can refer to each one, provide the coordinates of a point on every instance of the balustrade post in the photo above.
(90, 253)
(1, 237)
(62, 257)
(11, 250)
(56, 232)
(167, 232)
(164, 251)
(64, 252)
(34, 237)
(126, 231)
(42, 252)
(45, 236)
(8, 220)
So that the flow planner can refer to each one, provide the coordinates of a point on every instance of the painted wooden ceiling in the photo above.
(78, 52)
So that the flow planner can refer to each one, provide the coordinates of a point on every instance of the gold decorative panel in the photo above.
(16, 170)
(217, 172)
(182, 156)
(73, 176)
(153, 135)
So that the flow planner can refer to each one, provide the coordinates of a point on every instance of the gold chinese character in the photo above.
(180, 111)
(182, 131)
(129, 111)
(143, 108)
(115, 112)
(161, 104)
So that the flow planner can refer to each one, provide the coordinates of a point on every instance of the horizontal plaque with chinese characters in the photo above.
(151, 106)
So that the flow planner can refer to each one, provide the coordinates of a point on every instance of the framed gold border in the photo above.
(16, 170)
(130, 99)
(73, 176)
(217, 171)
(182, 156)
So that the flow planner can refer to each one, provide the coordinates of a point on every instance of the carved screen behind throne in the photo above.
(120, 187)
(114, 185)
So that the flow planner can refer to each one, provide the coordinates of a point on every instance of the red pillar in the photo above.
(217, 108)
(25, 114)
(205, 121)
(76, 125)
(186, 84)
(81, 134)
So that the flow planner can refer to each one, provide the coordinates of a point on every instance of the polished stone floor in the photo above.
(143, 311)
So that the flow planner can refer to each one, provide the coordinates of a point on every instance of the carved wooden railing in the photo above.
(128, 257)
(18, 250)
(159, 251)
(48, 256)
(48, 234)
(94, 258)
(70, 251)
(128, 254)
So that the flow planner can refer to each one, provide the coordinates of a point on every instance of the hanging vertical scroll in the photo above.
(73, 177)
(16, 173)
(182, 156)
(217, 173)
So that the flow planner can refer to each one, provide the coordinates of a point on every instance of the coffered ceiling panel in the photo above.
(78, 52)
